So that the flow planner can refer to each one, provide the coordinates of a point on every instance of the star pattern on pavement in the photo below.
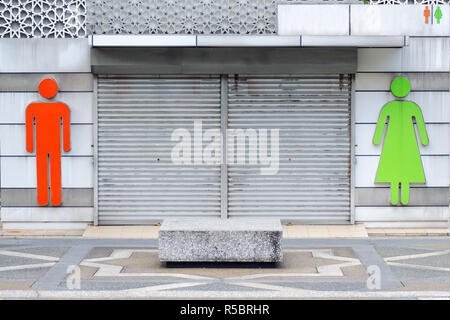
(392, 261)
(52, 260)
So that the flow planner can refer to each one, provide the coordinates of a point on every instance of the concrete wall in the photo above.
(23, 63)
(358, 20)
(425, 63)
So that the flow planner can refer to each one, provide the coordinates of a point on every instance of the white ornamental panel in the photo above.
(42, 18)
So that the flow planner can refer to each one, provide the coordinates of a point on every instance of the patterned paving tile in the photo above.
(144, 263)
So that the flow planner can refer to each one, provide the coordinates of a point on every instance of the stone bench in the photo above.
(220, 240)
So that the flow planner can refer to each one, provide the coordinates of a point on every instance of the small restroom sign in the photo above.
(432, 14)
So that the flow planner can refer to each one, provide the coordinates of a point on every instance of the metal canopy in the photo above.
(224, 60)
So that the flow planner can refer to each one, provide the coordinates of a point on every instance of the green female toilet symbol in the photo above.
(400, 162)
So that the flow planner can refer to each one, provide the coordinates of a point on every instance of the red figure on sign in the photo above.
(426, 14)
(47, 116)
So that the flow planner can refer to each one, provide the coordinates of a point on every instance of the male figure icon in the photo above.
(426, 14)
(47, 117)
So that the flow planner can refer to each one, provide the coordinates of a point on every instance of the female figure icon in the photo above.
(400, 162)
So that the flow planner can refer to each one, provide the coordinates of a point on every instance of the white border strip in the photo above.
(148, 292)
(247, 41)
(353, 41)
(144, 40)
(136, 41)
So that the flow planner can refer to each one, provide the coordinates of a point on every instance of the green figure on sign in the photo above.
(400, 161)
(438, 15)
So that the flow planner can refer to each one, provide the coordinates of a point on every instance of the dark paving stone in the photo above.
(24, 274)
(45, 251)
(326, 286)
(387, 252)
(403, 273)
(112, 285)
(8, 261)
(217, 286)
(100, 252)
(15, 285)
(442, 261)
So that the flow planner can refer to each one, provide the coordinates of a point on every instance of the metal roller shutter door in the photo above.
(312, 114)
(137, 181)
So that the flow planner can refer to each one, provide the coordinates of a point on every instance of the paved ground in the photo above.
(405, 268)
(289, 231)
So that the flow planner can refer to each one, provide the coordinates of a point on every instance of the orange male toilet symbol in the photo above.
(47, 117)
(426, 14)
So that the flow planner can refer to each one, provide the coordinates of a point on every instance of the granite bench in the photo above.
(212, 239)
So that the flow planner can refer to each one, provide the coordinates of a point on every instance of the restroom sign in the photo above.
(432, 14)
(47, 117)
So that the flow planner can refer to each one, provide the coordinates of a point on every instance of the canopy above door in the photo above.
(223, 60)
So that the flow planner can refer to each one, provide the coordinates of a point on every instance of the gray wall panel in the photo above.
(13, 140)
(434, 105)
(28, 198)
(294, 19)
(13, 105)
(379, 59)
(419, 81)
(406, 224)
(403, 217)
(437, 146)
(420, 55)
(435, 168)
(41, 216)
(30, 81)
(418, 197)
(426, 54)
(20, 172)
(44, 55)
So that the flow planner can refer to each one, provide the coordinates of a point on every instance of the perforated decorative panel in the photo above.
(42, 18)
(182, 16)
